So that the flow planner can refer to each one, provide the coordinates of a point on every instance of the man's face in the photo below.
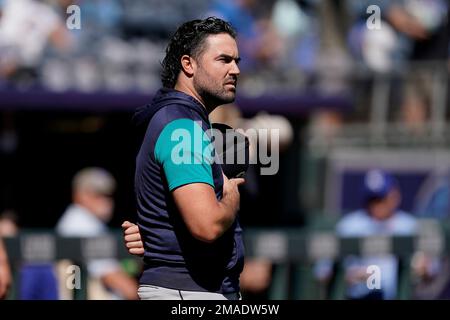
(216, 72)
(102, 206)
(384, 208)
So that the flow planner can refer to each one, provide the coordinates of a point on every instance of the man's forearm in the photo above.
(229, 206)
(207, 218)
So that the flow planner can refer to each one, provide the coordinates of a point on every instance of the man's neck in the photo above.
(190, 91)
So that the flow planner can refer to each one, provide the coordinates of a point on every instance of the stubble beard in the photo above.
(213, 93)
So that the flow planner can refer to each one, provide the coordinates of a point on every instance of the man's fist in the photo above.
(132, 238)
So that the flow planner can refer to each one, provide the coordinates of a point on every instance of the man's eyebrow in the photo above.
(227, 56)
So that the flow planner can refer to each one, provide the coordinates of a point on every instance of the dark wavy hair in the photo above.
(189, 39)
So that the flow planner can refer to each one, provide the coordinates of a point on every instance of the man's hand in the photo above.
(231, 191)
(132, 238)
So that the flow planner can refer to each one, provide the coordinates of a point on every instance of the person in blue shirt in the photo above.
(36, 280)
(187, 208)
(5, 272)
(380, 216)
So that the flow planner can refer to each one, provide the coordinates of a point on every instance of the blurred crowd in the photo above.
(393, 65)
(285, 44)
(389, 58)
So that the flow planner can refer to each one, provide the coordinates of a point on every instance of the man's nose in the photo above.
(235, 69)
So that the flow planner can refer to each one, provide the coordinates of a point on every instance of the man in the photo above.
(5, 273)
(187, 208)
(92, 208)
(380, 216)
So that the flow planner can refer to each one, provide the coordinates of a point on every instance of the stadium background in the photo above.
(346, 97)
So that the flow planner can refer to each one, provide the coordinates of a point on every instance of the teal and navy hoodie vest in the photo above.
(175, 123)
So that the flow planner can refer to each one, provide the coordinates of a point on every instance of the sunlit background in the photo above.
(351, 85)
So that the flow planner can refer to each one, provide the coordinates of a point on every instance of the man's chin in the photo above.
(228, 98)
(221, 99)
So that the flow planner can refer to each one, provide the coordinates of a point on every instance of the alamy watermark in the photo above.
(229, 147)
(73, 280)
(73, 22)
(374, 279)
(374, 20)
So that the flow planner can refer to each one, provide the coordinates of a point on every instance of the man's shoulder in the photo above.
(175, 116)
(354, 223)
(405, 217)
(168, 120)
(354, 215)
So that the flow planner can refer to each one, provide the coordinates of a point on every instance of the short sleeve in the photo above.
(185, 152)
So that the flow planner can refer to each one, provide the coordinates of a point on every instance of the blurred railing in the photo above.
(377, 97)
(293, 252)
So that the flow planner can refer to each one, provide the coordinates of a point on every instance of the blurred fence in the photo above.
(293, 252)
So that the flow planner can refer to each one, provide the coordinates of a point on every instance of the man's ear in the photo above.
(188, 65)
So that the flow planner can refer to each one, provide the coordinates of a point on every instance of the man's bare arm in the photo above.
(206, 217)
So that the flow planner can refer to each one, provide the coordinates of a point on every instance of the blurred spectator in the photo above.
(8, 224)
(37, 281)
(433, 200)
(5, 272)
(414, 113)
(87, 216)
(433, 16)
(430, 277)
(27, 27)
(409, 29)
(100, 17)
(431, 274)
(380, 216)
(232, 116)
(259, 42)
(334, 64)
(256, 277)
(325, 126)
